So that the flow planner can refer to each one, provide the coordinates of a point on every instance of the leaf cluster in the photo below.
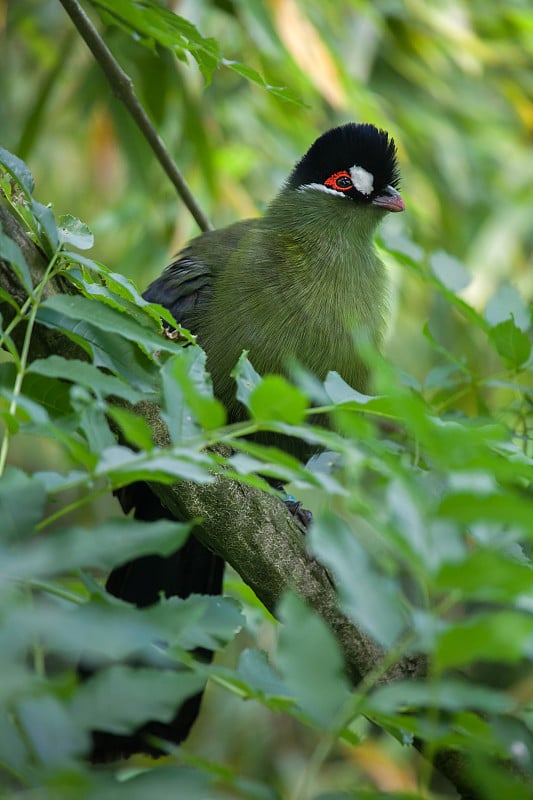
(423, 522)
(422, 491)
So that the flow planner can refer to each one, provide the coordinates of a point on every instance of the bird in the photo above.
(295, 286)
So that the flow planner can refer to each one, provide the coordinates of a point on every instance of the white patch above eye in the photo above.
(362, 179)
(321, 188)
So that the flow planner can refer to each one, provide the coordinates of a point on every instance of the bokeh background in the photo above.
(452, 81)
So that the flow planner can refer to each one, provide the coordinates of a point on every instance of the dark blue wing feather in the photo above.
(181, 288)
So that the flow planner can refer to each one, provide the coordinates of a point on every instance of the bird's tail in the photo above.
(190, 570)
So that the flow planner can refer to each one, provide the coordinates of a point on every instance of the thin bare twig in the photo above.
(122, 87)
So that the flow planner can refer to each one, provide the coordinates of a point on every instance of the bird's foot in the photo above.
(177, 334)
(296, 508)
(303, 515)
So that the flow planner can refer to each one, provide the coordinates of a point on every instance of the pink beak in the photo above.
(391, 200)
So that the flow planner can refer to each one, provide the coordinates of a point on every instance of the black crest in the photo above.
(347, 146)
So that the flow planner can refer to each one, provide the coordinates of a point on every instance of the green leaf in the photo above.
(247, 72)
(135, 428)
(494, 782)
(286, 94)
(370, 598)
(85, 374)
(11, 252)
(22, 500)
(78, 450)
(310, 663)
(505, 508)
(100, 547)
(446, 376)
(277, 399)
(272, 461)
(448, 695)
(500, 637)
(47, 224)
(28, 411)
(129, 302)
(13, 751)
(50, 731)
(449, 270)
(93, 423)
(18, 170)
(508, 578)
(507, 303)
(310, 385)
(98, 631)
(122, 466)
(247, 379)
(157, 23)
(209, 622)
(188, 395)
(107, 628)
(119, 355)
(74, 232)
(342, 394)
(511, 343)
(255, 77)
(160, 783)
(52, 395)
(259, 675)
(120, 699)
(406, 513)
(79, 309)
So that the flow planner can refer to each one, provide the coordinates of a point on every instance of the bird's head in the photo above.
(357, 163)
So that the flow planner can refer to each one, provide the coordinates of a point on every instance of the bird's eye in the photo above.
(340, 181)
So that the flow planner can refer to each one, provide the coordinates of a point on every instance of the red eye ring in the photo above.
(339, 181)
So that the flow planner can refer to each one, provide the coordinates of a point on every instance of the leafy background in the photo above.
(439, 516)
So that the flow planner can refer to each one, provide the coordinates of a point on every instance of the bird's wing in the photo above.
(182, 287)
(186, 285)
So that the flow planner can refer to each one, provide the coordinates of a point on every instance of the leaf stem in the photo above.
(346, 714)
(53, 589)
(34, 299)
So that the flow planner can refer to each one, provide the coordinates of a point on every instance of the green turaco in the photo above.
(298, 285)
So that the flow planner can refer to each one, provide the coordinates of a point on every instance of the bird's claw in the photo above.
(296, 508)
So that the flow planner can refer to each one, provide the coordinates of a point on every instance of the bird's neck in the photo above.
(303, 285)
(303, 212)
(329, 260)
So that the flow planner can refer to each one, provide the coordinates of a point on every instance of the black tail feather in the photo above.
(191, 570)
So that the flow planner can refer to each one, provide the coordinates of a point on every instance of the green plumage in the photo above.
(299, 284)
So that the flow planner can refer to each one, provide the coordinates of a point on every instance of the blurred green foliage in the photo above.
(423, 510)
